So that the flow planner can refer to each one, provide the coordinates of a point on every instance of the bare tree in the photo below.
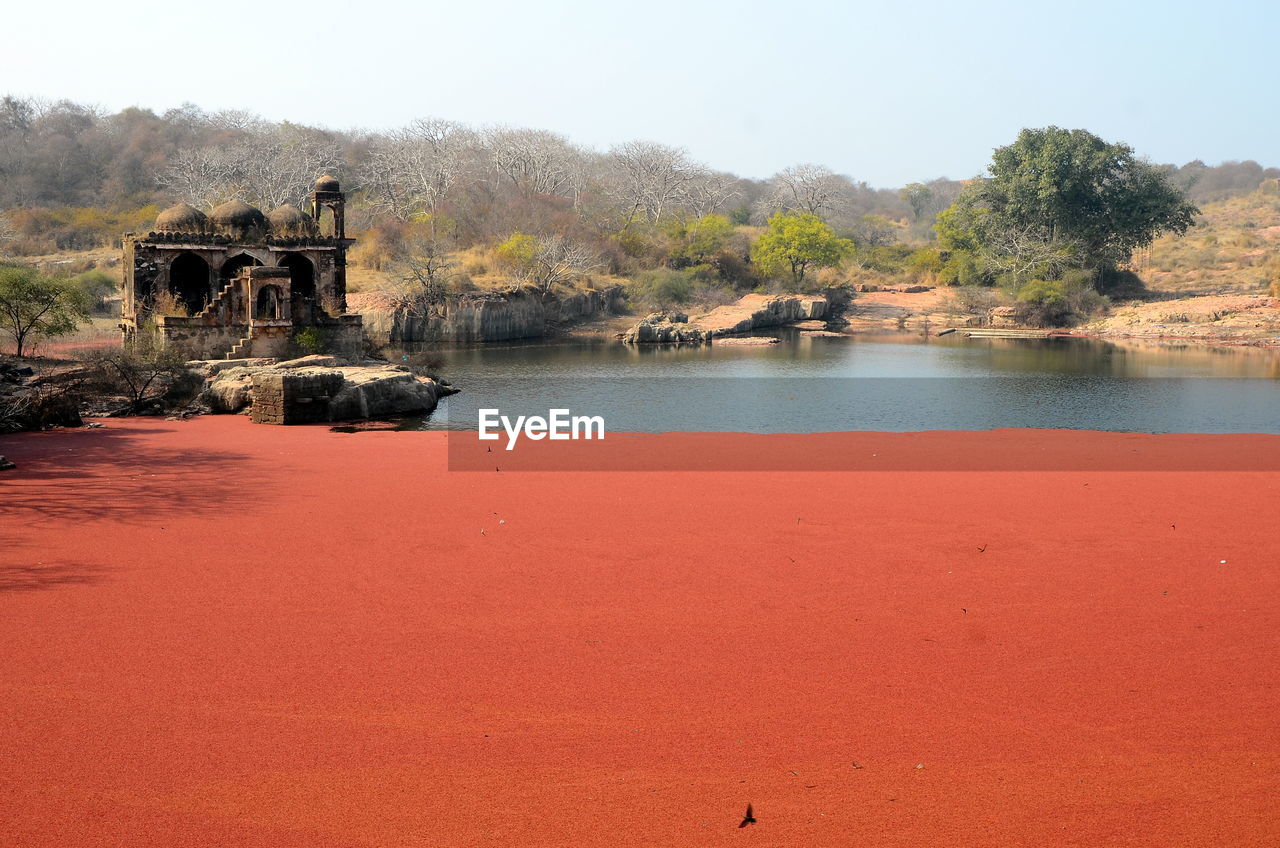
(279, 165)
(422, 270)
(535, 161)
(1027, 251)
(238, 120)
(805, 188)
(651, 178)
(201, 176)
(708, 191)
(559, 260)
(415, 168)
(7, 232)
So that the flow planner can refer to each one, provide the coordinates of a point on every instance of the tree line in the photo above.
(1052, 222)
(60, 160)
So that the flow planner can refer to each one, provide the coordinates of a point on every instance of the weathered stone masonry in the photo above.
(246, 281)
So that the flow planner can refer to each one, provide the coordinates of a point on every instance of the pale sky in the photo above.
(887, 92)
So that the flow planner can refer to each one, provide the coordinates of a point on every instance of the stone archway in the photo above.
(189, 282)
(233, 266)
(302, 286)
(266, 305)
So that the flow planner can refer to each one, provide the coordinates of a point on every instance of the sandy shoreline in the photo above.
(221, 633)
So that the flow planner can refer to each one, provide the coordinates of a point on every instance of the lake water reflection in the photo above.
(814, 384)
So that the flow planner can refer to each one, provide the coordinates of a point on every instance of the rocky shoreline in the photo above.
(751, 312)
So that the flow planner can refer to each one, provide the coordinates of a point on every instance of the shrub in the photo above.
(661, 287)
(97, 286)
(926, 264)
(146, 372)
(962, 268)
(975, 300)
(309, 340)
(1059, 303)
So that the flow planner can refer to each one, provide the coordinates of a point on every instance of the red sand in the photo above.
(216, 633)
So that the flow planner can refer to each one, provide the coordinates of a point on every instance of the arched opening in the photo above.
(189, 282)
(302, 286)
(233, 265)
(267, 304)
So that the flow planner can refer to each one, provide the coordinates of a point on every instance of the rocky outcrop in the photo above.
(377, 393)
(666, 328)
(752, 312)
(525, 312)
(321, 389)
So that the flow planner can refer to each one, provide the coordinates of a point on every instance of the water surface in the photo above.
(810, 384)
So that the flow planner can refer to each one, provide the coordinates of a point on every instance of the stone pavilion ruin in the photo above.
(237, 283)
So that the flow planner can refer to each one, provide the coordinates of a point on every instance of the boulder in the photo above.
(1003, 316)
(377, 393)
(288, 393)
(230, 391)
(14, 373)
(211, 367)
(315, 360)
(666, 328)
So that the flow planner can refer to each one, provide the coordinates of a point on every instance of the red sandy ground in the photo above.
(222, 634)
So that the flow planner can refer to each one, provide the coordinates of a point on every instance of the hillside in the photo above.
(1234, 248)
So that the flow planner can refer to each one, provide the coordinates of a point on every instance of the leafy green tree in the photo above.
(696, 242)
(33, 305)
(1070, 190)
(795, 242)
(518, 253)
(918, 196)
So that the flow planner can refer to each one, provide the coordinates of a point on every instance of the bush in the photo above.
(97, 286)
(962, 268)
(518, 253)
(310, 340)
(975, 300)
(887, 258)
(661, 287)
(1059, 303)
(45, 230)
(147, 373)
(926, 265)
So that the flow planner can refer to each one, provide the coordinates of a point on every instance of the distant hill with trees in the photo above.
(442, 207)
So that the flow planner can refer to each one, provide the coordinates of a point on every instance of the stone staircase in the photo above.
(240, 349)
(220, 301)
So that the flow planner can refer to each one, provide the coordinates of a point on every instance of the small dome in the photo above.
(327, 183)
(238, 215)
(289, 221)
(183, 218)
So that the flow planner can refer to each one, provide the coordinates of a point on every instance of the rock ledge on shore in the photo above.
(751, 312)
(317, 388)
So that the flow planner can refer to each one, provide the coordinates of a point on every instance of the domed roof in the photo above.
(327, 183)
(182, 218)
(237, 213)
(289, 220)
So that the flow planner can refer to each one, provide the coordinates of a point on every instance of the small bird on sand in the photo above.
(748, 818)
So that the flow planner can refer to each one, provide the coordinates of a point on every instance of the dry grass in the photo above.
(1233, 249)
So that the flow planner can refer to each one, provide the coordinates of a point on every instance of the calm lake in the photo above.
(810, 384)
